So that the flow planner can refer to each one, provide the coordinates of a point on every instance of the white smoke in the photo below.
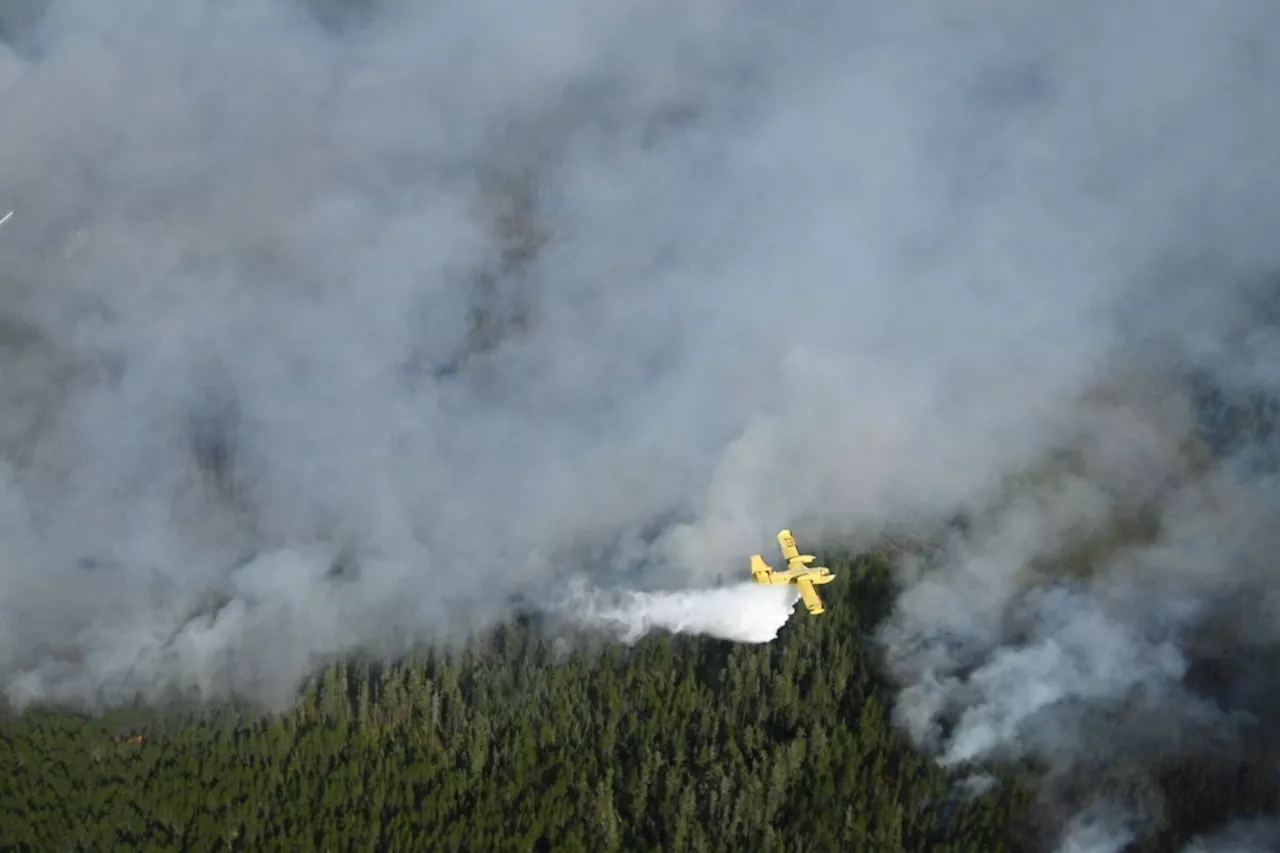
(743, 613)
(327, 331)
(1064, 622)
(1077, 655)
(330, 326)
(1261, 835)
(1095, 833)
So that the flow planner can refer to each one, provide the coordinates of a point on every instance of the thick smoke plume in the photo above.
(335, 325)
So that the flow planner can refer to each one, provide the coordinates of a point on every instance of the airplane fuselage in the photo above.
(817, 574)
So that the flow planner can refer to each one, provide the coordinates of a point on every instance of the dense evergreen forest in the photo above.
(511, 744)
(678, 743)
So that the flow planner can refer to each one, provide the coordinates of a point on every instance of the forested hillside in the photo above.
(677, 744)
(515, 744)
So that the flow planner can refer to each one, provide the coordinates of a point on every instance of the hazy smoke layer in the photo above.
(1256, 836)
(1095, 833)
(332, 325)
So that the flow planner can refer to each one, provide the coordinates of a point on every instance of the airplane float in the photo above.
(798, 572)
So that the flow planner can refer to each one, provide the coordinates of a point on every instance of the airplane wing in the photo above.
(810, 596)
(787, 543)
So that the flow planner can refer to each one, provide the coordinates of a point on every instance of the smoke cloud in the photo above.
(1244, 836)
(344, 325)
(1094, 832)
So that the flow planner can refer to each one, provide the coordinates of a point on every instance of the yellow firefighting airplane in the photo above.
(798, 572)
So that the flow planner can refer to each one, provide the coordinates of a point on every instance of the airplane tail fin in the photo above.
(760, 570)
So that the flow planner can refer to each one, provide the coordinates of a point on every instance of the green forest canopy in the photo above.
(679, 743)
